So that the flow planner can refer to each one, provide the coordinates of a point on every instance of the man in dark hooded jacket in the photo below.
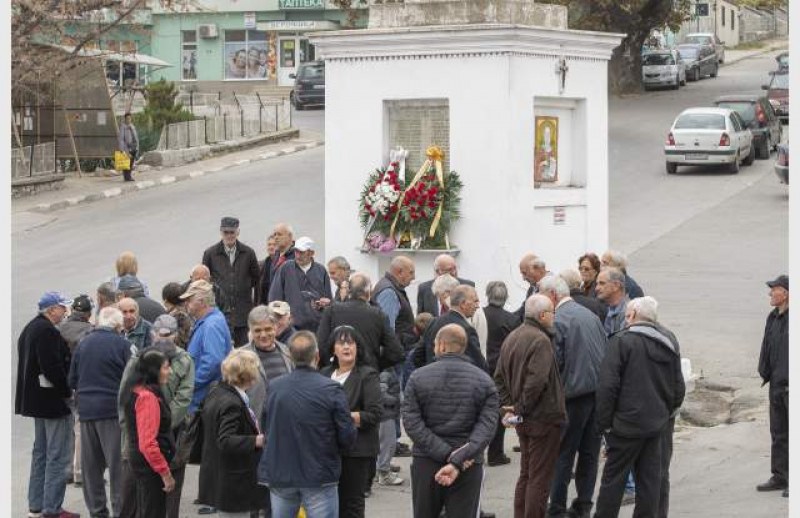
(640, 391)
(131, 287)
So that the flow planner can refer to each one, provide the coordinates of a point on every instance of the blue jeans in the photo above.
(630, 484)
(319, 502)
(53, 442)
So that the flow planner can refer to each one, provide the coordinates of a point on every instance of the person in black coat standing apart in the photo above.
(232, 441)
(234, 268)
(499, 323)
(426, 300)
(773, 366)
(43, 394)
(362, 387)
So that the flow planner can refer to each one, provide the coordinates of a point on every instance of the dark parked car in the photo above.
(700, 60)
(778, 94)
(782, 163)
(758, 115)
(783, 61)
(309, 85)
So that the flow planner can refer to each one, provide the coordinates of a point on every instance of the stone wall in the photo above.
(28, 186)
(413, 13)
(416, 124)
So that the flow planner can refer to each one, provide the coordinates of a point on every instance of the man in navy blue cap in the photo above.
(773, 366)
(43, 394)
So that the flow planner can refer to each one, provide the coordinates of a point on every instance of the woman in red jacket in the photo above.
(151, 445)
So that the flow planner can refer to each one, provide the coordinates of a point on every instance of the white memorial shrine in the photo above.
(516, 101)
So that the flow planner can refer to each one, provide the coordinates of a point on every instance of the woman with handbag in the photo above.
(150, 441)
(128, 144)
(232, 441)
(363, 389)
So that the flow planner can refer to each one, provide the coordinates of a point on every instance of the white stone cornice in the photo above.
(456, 40)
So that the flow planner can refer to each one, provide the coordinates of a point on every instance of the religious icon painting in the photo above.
(545, 151)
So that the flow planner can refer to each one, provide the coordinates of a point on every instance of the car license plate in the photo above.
(696, 156)
(319, 87)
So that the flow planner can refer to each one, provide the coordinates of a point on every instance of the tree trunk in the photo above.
(625, 67)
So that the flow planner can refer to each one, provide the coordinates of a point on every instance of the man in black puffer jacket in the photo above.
(450, 412)
(640, 391)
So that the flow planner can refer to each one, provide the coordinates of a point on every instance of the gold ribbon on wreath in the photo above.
(435, 155)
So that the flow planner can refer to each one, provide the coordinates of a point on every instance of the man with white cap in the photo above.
(304, 284)
(43, 394)
(281, 312)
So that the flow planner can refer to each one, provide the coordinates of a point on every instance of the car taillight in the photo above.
(783, 158)
(762, 118)
(670, 139)
(724, 140)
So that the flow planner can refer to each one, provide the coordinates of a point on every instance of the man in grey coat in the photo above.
(128, 143)
(580, 344)
(450, 412)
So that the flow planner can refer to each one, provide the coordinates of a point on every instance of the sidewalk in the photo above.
(92, 188)
(734, 56)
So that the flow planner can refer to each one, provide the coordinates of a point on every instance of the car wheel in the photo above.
(672, 168)
(750, 158)
(715, 71)
(734, 167)
(763, 149)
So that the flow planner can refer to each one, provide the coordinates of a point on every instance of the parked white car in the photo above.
(663, 68)
(709, 136)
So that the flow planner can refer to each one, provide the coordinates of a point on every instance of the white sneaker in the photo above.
(389, 479)
(34, 514)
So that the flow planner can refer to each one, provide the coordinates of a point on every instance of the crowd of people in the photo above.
(291, 383)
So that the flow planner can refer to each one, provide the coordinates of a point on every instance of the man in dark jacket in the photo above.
(463, 304)
(137, 330)
(573, 279)
(234, 267)
(307, 423)
(450, 412)
(95, 374)
(304, 284)
(43, 394)
(615, 259)
(580, 344)
(262, 290)
(383, 349)
(530, 387)
(499, 323)
(131, 287)
(773, 367)
(426, 300)
(640, 391)
(390, 295)
(284, 250)
(532, 269)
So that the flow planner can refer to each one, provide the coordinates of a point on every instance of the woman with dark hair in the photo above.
(363, 389)
(149, 427)
(589, 266)
(176, 308)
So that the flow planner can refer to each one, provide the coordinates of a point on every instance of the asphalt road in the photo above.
(702, 243)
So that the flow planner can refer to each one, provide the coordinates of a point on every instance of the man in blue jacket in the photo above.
(95, 375)
(43, 394)
(307, 424)
(211, 339)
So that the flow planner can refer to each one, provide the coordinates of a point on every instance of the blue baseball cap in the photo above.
(53, 298)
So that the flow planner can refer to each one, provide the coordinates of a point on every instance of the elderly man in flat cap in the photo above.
(234, 268)
(773, 366)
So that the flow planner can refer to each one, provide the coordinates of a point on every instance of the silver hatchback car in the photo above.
(663, 68)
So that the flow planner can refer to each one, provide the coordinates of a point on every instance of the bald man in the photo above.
(390, 295)
(450, 412)
(532, 269)
(426, 300)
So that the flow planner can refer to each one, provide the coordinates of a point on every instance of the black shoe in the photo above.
(516, 449)
(395, 468)
(367, 494)
(485, 514)
(499, 462)
(196, 501)
(628, 498)
(773, 484)
(402, 450)
(785, 493)
(207, 509)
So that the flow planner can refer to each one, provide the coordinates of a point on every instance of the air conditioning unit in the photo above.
(208, 31)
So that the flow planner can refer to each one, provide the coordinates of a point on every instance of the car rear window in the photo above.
(689, 52)
(780, 81)
(699, 39)
(657, 59)
(745, 109)
(700, 121)
(312, 72)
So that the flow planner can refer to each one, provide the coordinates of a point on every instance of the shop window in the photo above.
(245, 55)
(307, 51)
(189, 55)
(288, 53)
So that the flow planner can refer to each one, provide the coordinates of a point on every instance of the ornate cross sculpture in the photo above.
(561, 70)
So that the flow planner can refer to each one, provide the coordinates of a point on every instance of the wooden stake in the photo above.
(72, 141)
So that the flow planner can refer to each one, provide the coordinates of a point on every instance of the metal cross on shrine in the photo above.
(561, 70)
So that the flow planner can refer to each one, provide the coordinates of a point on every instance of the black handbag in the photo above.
(189, 441)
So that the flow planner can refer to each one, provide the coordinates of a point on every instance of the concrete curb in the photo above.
(166, 180)
(756, 54)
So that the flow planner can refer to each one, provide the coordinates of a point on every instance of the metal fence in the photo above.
(39, 161)
(231, 122)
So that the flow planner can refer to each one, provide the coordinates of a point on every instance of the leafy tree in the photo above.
(763, 4)
(160, 111)
(636, 19)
